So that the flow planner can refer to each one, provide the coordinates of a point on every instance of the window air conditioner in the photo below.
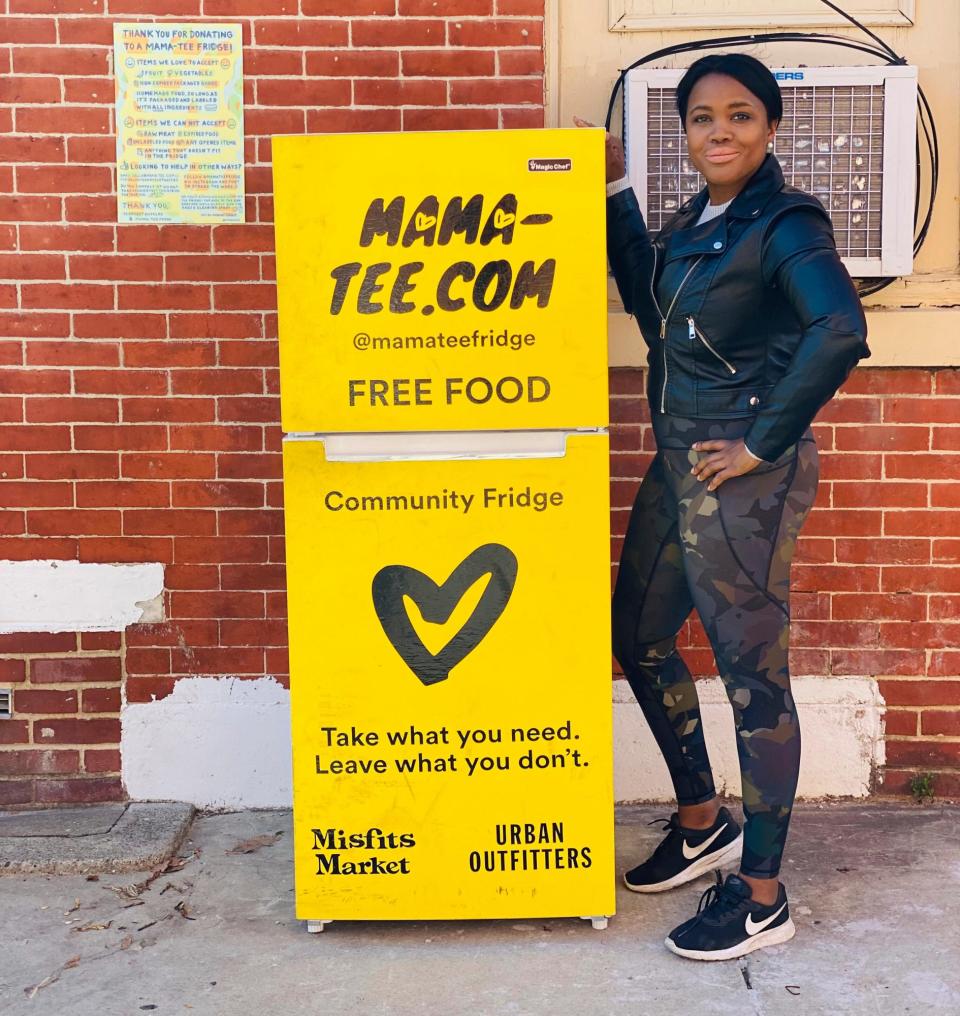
(848, 136)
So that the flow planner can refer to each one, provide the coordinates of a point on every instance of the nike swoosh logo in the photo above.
(752, 928)
(691, 852)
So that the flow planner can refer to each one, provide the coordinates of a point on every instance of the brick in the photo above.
(30, 700)
(249, 353)
(841, 522)
(70, 466)
(521, 62)
(19, 208)
(191, 576)
(149, 689)
(80, 791)
(883, 494)
(273, 62)
(883, 438)
(492, 32)
(101, 760)
(151, 239)
(217, 494)
(221, 549)
(839, 578)
(878, 607)
(254, 576)
(503, 92)
(100, 700)
(245, 409)
(63, 731)
(239, 522)
(946, 439)
(944, 664)
(446, 64)
(64, 120)
(940, 722)
(923, 467)
(883, 551)
(32, 30)
(163, 522)
(927, 410)
(168, 466)
(169, 354)
(116, 382)
(90, 209)
(27, 90)
(359, 63)
(123, 494)
(93, 669)
(38, 642)
(36, 495)
(888, 381)
(338, 121)
(444, 8)
(936, 579)
(169, 296)
(38, 763)
(850, 466)
(419, 32)
(945, 495)
(928, 634)
(399, 92)
(301, 32)
(872, 662)
(267, 466)
(12, 671)
(16, 792)
(148, 661)
(168, 410)
(947, 381)
(212, 381)
(68, 409)
(115, 267)
(921, 693)
(922, 753)
(218, 604)
(125, 437)
(31, 382)
(901, 722)
(230, 660)
(46, 548)
(119, 326)
(216, 438)
(31, 149)
(450, 119)
(32, 266)
(87, 31)
(70, 296)
(513, 7)
(32, 325)
(245, 297)
(309, 92)
(921, 523)
(215, 268)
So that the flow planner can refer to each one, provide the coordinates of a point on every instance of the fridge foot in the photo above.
(599, 923)
(315, 927)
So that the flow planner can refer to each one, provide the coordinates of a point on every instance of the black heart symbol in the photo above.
(437, 603)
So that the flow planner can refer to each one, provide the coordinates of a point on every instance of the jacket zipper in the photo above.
(664, 321)
(695, 333)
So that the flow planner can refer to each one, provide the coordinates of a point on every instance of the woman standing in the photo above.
(752, 324)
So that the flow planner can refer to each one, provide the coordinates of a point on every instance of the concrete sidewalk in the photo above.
(874, 892)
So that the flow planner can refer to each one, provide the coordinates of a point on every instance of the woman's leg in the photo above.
(651, 601)
(738, 542)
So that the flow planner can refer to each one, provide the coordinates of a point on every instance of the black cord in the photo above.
(882, 51)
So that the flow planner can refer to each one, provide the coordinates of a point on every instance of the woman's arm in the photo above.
(800, 258)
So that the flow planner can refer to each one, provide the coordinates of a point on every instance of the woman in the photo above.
(753, 324)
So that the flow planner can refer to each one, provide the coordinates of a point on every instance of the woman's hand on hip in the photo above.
(616, 161)
(726, 459)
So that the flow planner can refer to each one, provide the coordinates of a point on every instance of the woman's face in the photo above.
(727, 134)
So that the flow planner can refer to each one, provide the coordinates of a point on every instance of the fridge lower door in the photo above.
(450, 684)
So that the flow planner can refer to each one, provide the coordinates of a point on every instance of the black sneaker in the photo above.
(687, 854)
(728, 923)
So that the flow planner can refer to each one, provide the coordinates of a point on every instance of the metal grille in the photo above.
(6, 706)
(829, 143)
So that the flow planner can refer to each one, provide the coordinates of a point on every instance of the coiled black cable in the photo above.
(927, 125)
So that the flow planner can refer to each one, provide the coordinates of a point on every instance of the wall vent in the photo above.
(6, 703)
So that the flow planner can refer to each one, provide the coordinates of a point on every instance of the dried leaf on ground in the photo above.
(252, 845)
(51, 978)
(93, 926)
(76, 906)
(184, 910)
(126, 942)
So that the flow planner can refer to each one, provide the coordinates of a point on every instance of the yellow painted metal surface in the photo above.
(450, 685)
(441, 281)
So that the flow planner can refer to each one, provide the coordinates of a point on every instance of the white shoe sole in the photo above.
(774, 936)
(728, 855)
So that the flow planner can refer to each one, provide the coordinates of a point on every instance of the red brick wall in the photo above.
(138, 364)
(876, 579)
(138, 387)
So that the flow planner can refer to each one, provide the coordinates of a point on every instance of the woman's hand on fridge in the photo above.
(616, 161)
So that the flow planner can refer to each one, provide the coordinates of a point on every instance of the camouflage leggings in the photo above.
(727, 553)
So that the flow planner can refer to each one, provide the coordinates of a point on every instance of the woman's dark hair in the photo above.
(752, 74)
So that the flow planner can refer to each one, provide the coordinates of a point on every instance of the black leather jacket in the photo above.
(749, 315)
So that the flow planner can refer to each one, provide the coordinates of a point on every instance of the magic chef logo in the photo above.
(438, 602)
(549, 165)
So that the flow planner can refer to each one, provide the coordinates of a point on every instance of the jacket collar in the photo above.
(711, 238)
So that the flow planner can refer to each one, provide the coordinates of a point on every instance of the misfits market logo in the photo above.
(330, 845)
(485, 287)
(438, 602)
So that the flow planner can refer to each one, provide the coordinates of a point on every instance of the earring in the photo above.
(769, 146)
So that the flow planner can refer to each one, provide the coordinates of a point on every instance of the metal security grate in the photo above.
(6, 704)
(829, 143)
(842, 138)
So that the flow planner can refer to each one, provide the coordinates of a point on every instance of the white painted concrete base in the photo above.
(78, 596)
(840, 726)
(226, 743)
(217, 743)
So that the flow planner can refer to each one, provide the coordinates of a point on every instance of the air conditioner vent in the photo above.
(6, 703)
(847, 136)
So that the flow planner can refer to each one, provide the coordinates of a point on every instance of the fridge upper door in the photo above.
(442, 281)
